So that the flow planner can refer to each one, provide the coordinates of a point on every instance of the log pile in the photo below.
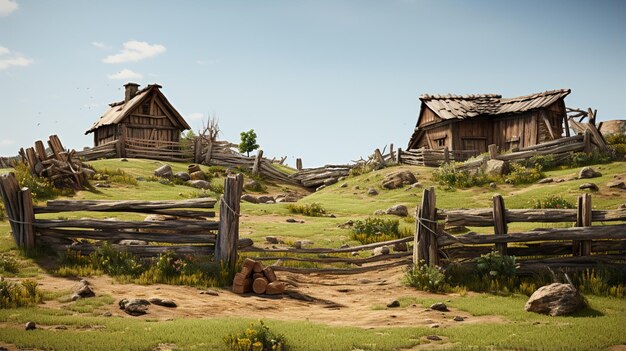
(8, 162)
(256, 278)
(62, 167)
(316, 177)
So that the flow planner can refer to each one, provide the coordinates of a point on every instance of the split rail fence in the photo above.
(574, 248)
(193, 231)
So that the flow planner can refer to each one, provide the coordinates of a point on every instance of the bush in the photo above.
(522, 175)
(256, 338)
(374, 230)
(3, 212)
(450, 176)
(41, 188)
(496, 266)
(617, 145)
(313, 209)
(108, 260)
(426, 277)
(552, 201)
(8, 264)
(580, 159)
(117, 176)
(18, 295)
(540, 162)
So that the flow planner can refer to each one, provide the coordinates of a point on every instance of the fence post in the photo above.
(446, 155)
(257, 162)
(209, 151)
(197, 150)
(493, 151)
(9, 189)
(379, 157)
(28, 217)
(392, 156)
(228, 234)
(587, 141)
(425, 240)
(299, 164)
(583, 219)
(399, 155)
(499, 221)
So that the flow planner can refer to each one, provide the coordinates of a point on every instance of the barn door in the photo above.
(477, 144)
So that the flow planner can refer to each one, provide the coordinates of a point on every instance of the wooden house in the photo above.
(144, 114)
(472, 122)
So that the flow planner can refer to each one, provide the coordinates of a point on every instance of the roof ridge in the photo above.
(458, 97)
(535, 95)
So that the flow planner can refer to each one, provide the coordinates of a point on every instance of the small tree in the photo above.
(248, 142)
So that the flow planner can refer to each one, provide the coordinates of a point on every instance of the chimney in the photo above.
(130, 91)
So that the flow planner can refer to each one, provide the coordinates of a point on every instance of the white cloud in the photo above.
(7, 6)
(4, 50)
(12, 60)
(100, 45)
(135, 51)
(5, 142)
(125, 74)
(195, 116)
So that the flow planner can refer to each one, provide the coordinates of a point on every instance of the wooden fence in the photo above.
(432, 157)
(579, 247)
(8, 162)
(189, 232)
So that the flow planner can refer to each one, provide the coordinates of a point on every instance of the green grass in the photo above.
(89, 305)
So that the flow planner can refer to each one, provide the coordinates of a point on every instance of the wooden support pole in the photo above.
(256, 167)
(566, 125)
(228, 234)
(379, 157)
(587, 141)
(121, 141)
(28, 217)
(392, 155)
(426, 229)
(583, 219)
(446, 155)
(499, 222)
(433, 247)
(399, 155)
(9, 189)
(299, 164)
(209, 154)
(493, 151)
(197, 150)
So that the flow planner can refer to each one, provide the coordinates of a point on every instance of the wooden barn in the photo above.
(472, 122)
(144, 114)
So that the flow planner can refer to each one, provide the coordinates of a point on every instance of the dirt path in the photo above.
(355, 300)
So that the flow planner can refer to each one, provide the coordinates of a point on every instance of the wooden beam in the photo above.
(228, 235)
(547, 122)
(499, 222)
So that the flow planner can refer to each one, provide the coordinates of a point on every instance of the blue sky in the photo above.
(327, 81)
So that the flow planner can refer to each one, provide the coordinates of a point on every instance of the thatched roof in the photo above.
(119, 110)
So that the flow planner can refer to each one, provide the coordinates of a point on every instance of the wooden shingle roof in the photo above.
(467, 106)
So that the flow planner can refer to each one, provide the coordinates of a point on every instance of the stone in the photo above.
(588, 172)
(556, 299)
(383, 250)
(344, 246)
(263, 199)
(372, 192)
(458, 319)
(102, 185)
(330, 181)
(590, 186)
(210, 292)
(134, 307)
(30, 325)
(321, 187)
(616, 184)
(200, 184)
(439, 306)
(433, 326)
(184, 176)
(271, 239)
(83, 290)
(398, 180)
(301, 243)
(107, 314)
(622, 206)
(88, 172)
(398, 210)
(615, 126)
(400, 247)
(131, 242)
(493, 185)
(163, 302)
(433, 337)
(560, 180)
(495, 167)
(123, 160)
(249, 198)
(193, 168)
(199, 175)
(545, 180)
(354, 253)
(164, 171)
(393, 304)
(341, 179)
(343, 185)
(379, 212)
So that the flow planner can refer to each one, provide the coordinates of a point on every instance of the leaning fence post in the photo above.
(493, 151)
(9, 189)
(399, 155)
(425, 240)
(28, 217)
(197, 150)
(257, 162)
(583, 219)
(228, 234)
(392, 155)
(299, 164)
(499, 222)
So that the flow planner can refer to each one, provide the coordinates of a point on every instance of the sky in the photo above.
(325, 81)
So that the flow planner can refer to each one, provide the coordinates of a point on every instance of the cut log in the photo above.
(240, 278)
(243, 288)
(257, 275)
(258, 267)
(269, 274)
(259, 285)
(275, 288)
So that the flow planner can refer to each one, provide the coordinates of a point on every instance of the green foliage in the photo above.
(450, 176)
(248, 142)
(361, 168)
(426, 277)
(256, 338)
(41, 188)
(117, 176)
(601, 282)
(580, 159)
(14, 295)
(106, 259)
(522, 175)
(495, 265)
(3, 212)
(8, 264)
(551, 201)
(540, 162)
(313, 209)
(617, 145)
(375, 229)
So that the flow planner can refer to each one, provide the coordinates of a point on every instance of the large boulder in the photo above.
(82, 290)
(184, 176)
(556, 300)
(495, 167)
(200, 184)
(398, 180)
(398, 210)
(249, 198)
(164, 171)
(616, 184)
(199, 175)
(616, 126)
(588, 172)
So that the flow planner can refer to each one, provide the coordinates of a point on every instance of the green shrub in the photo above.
(450, 176)
(374, 230)
(312, 210)
(426, 277)
(617, 145)
(496, 266)
(361, 168)
(256, 338)
(106, 259)
(541, 162)
(3, 212)
(551, 201)
(117, 176)
(18, 295)
(8, 264)
(522, 175)
(41, 188)
(580, 159)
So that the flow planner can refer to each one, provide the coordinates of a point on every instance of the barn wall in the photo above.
(428, 116)
(151, 121)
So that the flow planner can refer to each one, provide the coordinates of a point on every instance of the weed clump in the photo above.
(312, 210)
(117, 176)
(551, 201)
(374, 230)
(425, 277)
(14, 294)
(8, 264)
(257, 337)
(41, 188)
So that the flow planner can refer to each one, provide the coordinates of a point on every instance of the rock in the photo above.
(164, 171)
(434, 325)
(439, 306)
(134, 307)
(393, 304)
(330, 181)
(263, 199)
(131, 242)
(415, 185)
(556, 300)
(433, 337)
(398, 180)
(622, 206)
(400, 247)
(210, 292)
(341, 179)
(560, 180)
(88, 172)
(590, 186)
(123, 160)
(383, 250)
(458, 319)
(83, 290)
(344, 185)
(301, 243)
(344, 246)
(615, 126)
(184, 176)
(163, 302)
(271, 239)
(199, 175)
(588, 172)
(107, 314)
(372, 192)
(398, 210)
(30, 325)
(379, 212)
(253, 185)
(616, 184)
(354, 253)
(321, 187)
(193, 168)
(102, 185)
(200, 184)
(493, 185)
(495, 167)
(545, 180)
(249, 198)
